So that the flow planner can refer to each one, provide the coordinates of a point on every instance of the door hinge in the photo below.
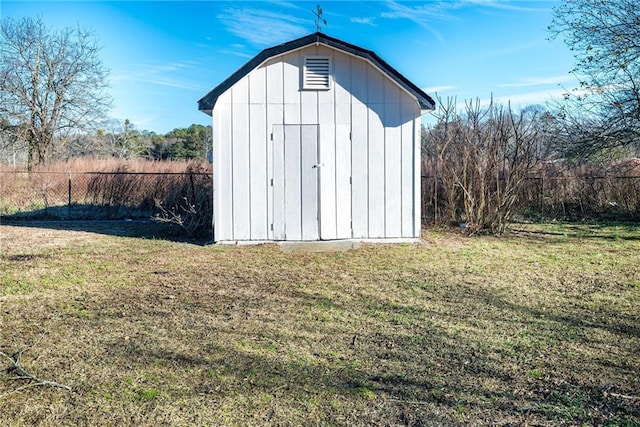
(271, 182)
(350, 137)
(351, 180)
(272, 136)
(271, 227)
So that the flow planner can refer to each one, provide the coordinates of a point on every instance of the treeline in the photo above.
(114, 139)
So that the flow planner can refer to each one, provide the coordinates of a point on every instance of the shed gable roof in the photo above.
(207, 102)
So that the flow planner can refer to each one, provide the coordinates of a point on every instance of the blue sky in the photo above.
(165, 55)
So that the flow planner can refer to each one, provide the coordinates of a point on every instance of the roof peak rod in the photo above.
(319, 19)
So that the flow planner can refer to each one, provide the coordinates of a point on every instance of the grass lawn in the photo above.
(541, 327)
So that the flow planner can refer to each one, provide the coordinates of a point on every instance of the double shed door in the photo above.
(296, 182)
(311, 183)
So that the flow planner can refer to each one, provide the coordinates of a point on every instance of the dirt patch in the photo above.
(15, 239)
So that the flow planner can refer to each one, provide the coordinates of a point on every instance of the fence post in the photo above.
(542, 196)
(69, 201)
(193, 187)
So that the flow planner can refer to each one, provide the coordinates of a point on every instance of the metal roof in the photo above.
(207, 102)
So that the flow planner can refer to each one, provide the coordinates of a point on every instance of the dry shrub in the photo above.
(479, 159)
(188, 203)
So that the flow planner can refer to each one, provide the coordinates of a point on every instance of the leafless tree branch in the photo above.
(19, 373)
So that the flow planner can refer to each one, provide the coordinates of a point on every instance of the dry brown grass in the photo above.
(103, 188)
(534, 329)
(91, 164)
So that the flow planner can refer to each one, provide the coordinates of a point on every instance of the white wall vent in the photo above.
(317, 72)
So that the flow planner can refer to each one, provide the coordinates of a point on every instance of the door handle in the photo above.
(319, 165)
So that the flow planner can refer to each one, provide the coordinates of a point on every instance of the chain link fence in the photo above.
(544, 198)
(121, 195)
(101, 195)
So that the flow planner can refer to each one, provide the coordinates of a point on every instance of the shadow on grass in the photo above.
(413, 372)
(576, 317)
(475, 376)
(584, 230)
(110, 220)
(461, 387)
(81, 211)
(139, 228)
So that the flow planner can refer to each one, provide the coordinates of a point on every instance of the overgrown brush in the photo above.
(119, 188)
(485, 166)
(479, 160)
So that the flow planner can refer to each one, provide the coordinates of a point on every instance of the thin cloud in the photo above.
(532, 98)
(425, 14)
(263, 27)
(119, 77)
(540, 81)
(154, 69)
(177, 83)
(505, 5)
(438, 89)
(364, 21)
(287, 4)
(517, 101)
(168, 74)
(422, 15)
(236, 53)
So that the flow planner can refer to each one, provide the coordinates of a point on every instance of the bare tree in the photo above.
(604, 36)
(122, 139)
(52, 82)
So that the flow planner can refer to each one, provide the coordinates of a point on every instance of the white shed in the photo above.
(316, 139)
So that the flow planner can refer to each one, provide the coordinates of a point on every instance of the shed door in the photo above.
(295, 182)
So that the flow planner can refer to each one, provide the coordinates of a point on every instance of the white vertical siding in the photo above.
(278, 195)
(222, 167)
(376, 176)
(343, 182)
(326, 119)
(409, 112)
(293, 189)
(360, 170)
(308, 107)
(291, 64)
(274, 115)
(392, 161)
(342, 119)
(292, 115)
(241, 172)
(375, 96)
(216, 153)
(309, 196)
(417, 223)
(359, 150)
(368, 146)
(258, 152)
